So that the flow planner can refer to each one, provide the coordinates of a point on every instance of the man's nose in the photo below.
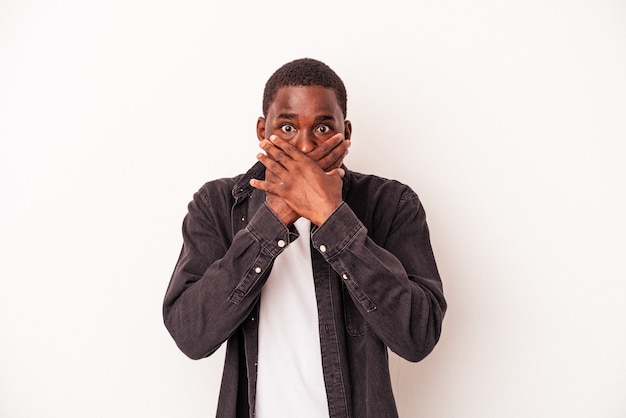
(305, 142)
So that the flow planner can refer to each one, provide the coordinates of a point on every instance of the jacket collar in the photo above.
(242, 186)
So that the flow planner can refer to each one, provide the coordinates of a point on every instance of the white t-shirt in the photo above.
(290, 380)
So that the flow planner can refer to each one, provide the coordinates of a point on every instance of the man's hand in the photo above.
(331, 153)
(302, 185)
(278, 205)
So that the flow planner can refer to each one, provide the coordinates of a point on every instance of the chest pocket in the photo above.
(355, 323)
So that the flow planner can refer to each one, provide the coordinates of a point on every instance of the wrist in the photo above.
(326, 212)
(284, 213)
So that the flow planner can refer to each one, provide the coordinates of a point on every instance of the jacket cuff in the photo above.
(337, 232)
(266, 228)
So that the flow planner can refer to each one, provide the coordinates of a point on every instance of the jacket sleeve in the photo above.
(395, 285)
(217, 281)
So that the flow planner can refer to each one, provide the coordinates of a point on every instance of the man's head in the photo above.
(304, 103)
(304, 72)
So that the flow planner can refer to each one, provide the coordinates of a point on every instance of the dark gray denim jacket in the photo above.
(376, 285)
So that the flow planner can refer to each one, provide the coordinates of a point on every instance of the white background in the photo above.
(507, 118)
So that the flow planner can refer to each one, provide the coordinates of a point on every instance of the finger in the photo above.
(335, 158)
(275, 153)
(326, 147)
(339, 171)
(262, 185)
(281, 150)
(271, 165)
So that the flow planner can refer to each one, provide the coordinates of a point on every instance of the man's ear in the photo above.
(260, 128)
(348, 129)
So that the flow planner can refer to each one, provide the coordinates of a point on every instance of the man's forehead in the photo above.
(305, 98)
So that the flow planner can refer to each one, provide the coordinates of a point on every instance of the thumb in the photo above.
(338, 170)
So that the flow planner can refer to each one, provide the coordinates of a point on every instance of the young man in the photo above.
(307, 270)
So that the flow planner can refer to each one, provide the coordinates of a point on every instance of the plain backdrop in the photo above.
(507, 118)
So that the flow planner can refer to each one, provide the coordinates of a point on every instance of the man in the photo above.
(307, 270)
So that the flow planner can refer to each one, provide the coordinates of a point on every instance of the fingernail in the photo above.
(273, 138)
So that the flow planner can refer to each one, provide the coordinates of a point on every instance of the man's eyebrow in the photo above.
(319, 118)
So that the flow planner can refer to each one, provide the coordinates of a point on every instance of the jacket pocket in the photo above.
(355, 323)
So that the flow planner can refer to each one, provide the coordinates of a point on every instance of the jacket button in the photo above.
(281, 243)
(323, 248)
(257, 270)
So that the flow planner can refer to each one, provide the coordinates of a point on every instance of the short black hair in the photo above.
(304, 72)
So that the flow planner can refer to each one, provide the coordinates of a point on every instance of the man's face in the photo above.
(306, 116)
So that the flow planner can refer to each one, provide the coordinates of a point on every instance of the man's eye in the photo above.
(287, 129)
(323, 129)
